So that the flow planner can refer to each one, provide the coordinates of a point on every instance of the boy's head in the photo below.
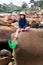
(22, 15)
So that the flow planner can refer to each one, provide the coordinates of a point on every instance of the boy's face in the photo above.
(22, 16)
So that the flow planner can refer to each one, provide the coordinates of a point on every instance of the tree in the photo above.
(41, 3)
(24, 5)
(0, 5)
(31, 1)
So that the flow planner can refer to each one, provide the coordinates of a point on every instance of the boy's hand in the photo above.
(22, 29)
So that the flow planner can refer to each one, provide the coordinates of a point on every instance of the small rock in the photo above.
(10, 63)
(5, 53)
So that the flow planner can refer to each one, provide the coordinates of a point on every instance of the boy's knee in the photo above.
(18, 30)
(27, 28)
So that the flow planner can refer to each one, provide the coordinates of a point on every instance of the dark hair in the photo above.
(24, 16)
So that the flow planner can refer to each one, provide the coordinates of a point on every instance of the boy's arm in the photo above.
(25, 25)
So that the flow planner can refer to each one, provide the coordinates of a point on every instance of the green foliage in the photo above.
(9, 8)
(28, 9)
(41, 4)
(31, 1)
(24, 5)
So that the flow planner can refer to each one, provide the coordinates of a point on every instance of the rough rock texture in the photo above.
(5, 53)
(4, 60)
(10, 63)
(30, 48)
(5, 57)
(5, 33)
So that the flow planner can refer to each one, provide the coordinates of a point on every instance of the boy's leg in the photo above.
(17, 31)
(27, 28)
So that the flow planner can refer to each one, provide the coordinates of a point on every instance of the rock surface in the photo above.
(30, 48)
(5, 33)
(4, 60)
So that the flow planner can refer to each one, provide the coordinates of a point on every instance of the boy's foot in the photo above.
(15, 37)
(27, 29)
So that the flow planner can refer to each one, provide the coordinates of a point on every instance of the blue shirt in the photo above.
(22, 23)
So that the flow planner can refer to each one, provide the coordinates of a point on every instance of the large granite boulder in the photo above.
(30, 48)
(4, 60)
(5, 33)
